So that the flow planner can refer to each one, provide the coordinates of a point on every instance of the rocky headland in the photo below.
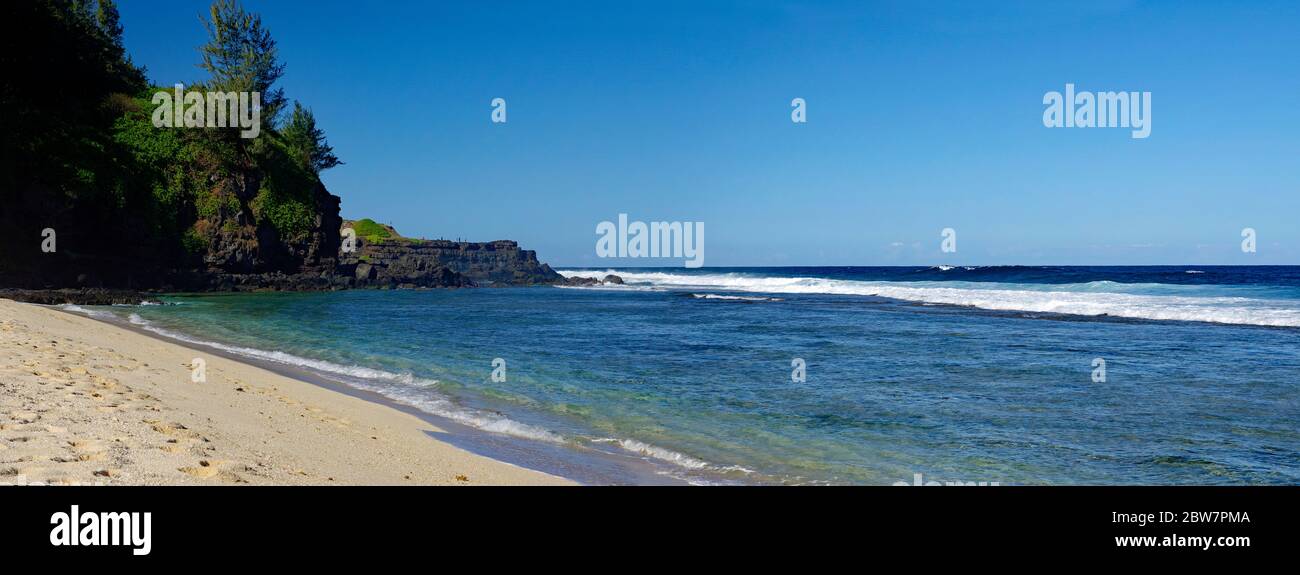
(99, 204)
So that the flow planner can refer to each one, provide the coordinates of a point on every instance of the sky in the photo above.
(921, 116)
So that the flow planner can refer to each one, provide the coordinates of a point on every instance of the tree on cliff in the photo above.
(276, 175)
(241, 56)
(109, 21)
(130, 201)
(307, 141)
(66, 80)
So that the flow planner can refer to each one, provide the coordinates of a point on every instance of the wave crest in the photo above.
(1098, 298)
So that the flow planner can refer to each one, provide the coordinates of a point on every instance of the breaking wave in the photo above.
(1097, 298)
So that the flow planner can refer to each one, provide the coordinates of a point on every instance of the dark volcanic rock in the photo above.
(88, 296)
(609, 279)
(365, 272)
(580, 281)
(234, 252)
(196, 281)
(401, 262)
(237, 246)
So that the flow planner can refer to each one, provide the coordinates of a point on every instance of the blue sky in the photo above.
(921, 116)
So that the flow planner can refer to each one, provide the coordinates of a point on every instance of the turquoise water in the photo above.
(967, 374)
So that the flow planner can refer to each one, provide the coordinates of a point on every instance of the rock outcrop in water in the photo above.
(582, 281)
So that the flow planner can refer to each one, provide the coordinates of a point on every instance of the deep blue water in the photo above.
(958, 374)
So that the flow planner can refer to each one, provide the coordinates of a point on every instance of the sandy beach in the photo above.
(86, 402)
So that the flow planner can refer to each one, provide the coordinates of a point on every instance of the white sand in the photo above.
(82, 401)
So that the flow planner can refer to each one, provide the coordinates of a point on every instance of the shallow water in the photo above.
(958, 374)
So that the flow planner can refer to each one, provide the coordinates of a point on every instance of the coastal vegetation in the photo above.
(130, 200)
(137, 203)
(372, 231)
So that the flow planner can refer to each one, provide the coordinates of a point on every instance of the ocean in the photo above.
(1006, 375)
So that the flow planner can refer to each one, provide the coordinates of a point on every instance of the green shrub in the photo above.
(193, 243)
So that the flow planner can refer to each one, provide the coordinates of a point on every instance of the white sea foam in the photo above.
(614, 287)
(659, 453)
(670, 456)
(733, 297)
(1087, 299)
(90, 312)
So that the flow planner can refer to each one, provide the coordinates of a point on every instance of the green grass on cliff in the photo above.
(371, 231)
(374, 232)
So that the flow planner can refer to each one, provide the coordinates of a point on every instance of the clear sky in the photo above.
(920, 116)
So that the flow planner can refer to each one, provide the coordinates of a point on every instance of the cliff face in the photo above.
(237, 251)
(403, 262)
(392, 261)
(237, 242)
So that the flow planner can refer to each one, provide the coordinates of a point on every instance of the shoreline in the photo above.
(91, 402)
(582, 466)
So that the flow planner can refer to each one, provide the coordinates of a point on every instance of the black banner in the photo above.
(1113, 523)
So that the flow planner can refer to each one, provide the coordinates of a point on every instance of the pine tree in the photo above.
(307, 141)
(241, 56)
(109, 21)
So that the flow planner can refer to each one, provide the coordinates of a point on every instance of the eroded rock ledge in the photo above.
(406, 263)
